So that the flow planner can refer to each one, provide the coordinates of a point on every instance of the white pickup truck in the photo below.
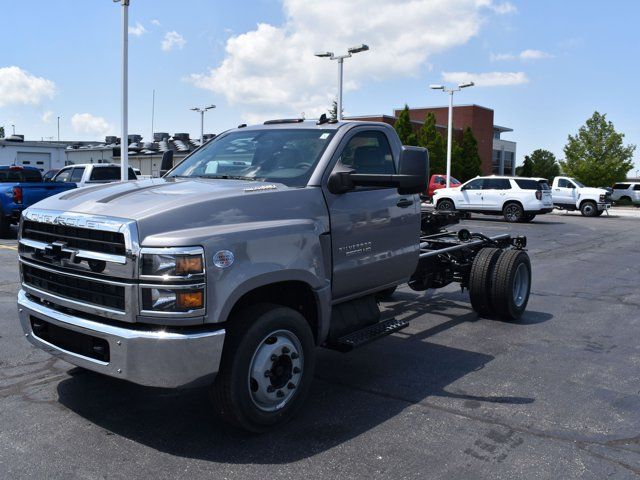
(87, 174)
(569, 194)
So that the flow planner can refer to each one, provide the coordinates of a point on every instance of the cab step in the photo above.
(368, 334)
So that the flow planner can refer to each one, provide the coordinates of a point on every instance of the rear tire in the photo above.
(511, 284)
(5, 227)
(513, 212)
(589, 208)
(527, 217)
(266, 369)
(480, 280)
(446, 204)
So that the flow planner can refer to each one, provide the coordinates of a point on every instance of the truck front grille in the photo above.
(75, 288)
(75, 237)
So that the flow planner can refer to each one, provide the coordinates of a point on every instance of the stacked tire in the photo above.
(500, 283)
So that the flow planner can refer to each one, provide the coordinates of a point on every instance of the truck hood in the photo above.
(163, 206)
(592, 191)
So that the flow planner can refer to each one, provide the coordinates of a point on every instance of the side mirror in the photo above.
(167, 162)
(413, 170)
(412, 176)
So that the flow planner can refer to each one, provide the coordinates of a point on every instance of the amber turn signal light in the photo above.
(190, 300)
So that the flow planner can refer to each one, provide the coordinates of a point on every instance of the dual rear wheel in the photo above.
(500, 283)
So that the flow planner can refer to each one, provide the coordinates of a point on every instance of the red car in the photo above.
(439, 181)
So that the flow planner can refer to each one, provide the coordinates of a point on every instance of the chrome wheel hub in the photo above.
(276, 370)
(520, 285)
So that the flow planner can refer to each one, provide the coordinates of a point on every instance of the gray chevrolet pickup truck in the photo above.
(262, 245)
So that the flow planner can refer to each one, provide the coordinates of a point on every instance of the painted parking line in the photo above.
(8, 247)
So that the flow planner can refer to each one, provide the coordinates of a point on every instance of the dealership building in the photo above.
(497, 154)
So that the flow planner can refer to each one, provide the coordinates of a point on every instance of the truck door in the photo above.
(565, 192)
(472, 194)
(374, 231)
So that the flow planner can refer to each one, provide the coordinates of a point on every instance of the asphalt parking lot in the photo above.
(452, 396)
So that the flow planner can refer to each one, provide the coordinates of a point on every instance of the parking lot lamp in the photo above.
(201, 112)
(450, 91)
(340, 58)
(124, 142)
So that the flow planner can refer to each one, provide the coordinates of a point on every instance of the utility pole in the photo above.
(58, 128)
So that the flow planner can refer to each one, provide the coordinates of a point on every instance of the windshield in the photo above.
(276, 155)
(578, 183)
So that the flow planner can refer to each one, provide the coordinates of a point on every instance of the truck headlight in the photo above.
(172, 281)
(172, 263)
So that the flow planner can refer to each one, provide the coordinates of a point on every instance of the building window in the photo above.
(495, 164)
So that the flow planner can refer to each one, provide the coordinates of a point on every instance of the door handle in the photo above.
(404, 203)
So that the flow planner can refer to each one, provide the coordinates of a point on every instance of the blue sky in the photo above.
(543, 66)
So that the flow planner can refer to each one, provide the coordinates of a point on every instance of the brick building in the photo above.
(497, 155)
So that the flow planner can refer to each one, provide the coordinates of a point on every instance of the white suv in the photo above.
(518, 199)
(626, 192)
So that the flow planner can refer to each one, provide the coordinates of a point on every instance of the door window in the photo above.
(621, 186)
(64, 175)
(76, 175)
(636, 188)
(564, 183)
(369, 153)
(496, 184)
(475, 184)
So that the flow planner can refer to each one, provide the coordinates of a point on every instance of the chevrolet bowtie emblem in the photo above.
(54, 250)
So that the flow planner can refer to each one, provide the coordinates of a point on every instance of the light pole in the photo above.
(450, 91)
(58, 128)
(201, 112)
(340, 59)
(14, 128)
(124, 142)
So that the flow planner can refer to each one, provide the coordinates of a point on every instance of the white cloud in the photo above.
(271, 70)
(173, 40)
(46, 116)
(155, 22)
(528, 54)
(504, 8)
(138, 30)
(85, 123)
(18, 86)
(487, 79)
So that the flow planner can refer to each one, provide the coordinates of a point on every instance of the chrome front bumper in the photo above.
(152, 357)
(603, 206)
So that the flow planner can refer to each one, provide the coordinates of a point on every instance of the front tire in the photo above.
(267, 368)
(589, 209)
(513, 212)
(446, 204)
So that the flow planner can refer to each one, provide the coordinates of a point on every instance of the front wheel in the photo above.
(589, 209)
(266, 369)
(446, 204)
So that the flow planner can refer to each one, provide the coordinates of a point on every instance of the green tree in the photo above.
(465, 161)
(596, 155)
(405, 129)
(1, 132)
(541, 163)
(333, 111)
(526, 169)
(429, 137)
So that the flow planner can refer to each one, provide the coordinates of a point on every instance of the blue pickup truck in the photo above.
(21, 187)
